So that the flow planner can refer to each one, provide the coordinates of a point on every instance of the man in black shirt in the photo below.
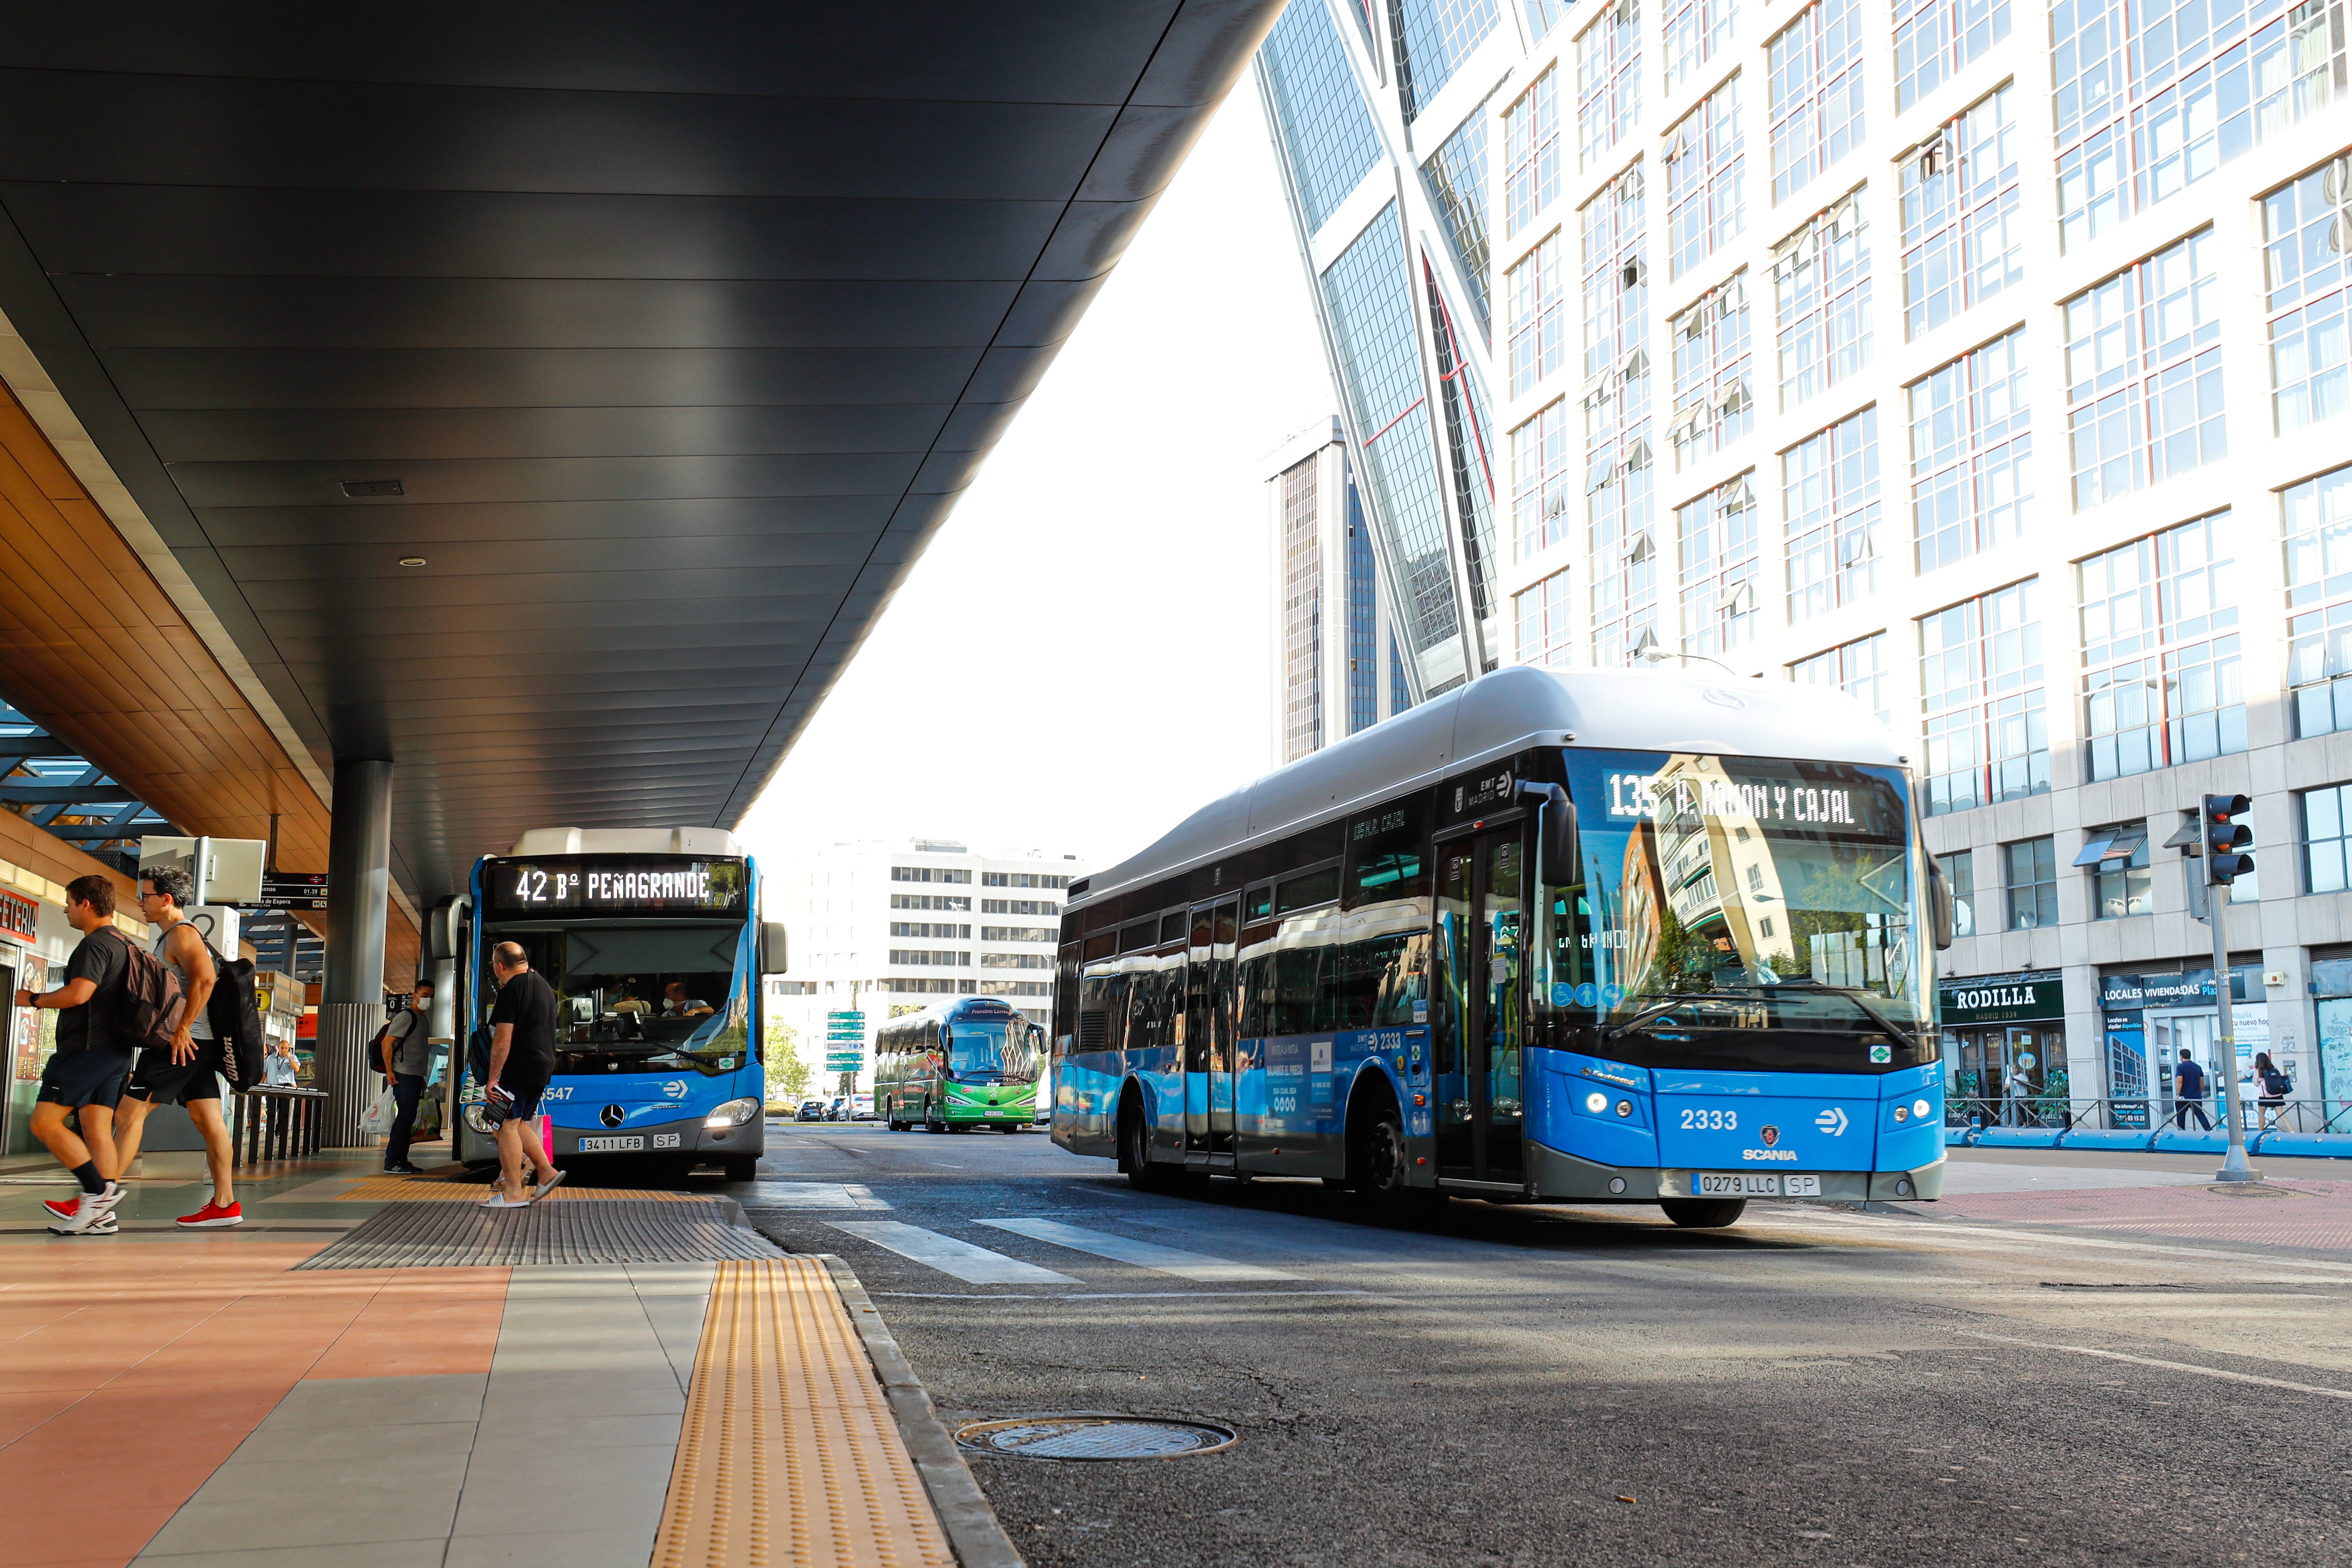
(84, 1079)
(522, 1060)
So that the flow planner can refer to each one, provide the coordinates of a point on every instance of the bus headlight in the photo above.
(1624, 1107)
(734, 1113)
(1902, 1114)
(1920, 1108)
(1596, 1103)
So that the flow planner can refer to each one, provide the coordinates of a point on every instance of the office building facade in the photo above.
(1986, 361)
(891, 927)
(1338, 665)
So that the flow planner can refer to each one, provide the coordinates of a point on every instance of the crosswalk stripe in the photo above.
(814, 1196)
(973, 1265)
(1142, 1253)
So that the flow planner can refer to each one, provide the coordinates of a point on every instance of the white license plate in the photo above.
(1800, 1187)
(612, 1145)
(1738, 1184)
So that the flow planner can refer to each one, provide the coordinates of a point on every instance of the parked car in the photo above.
(861, 1108)
(837, 1109)
(811, 1110)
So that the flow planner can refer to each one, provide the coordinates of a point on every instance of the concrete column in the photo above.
(359, 894)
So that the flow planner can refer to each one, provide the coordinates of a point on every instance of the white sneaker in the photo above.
(89, 1209)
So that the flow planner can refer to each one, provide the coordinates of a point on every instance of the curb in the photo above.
(972, 1525)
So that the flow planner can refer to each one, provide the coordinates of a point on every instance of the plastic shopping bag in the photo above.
(377, 1123)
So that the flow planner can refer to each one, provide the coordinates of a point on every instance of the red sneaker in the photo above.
(211, 1216)
(62, 1210)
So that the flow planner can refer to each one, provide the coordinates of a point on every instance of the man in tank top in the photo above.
(188, 1073)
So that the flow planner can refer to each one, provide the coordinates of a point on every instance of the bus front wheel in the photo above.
(1703, 1213)
(932, 1121)
(742, 1167)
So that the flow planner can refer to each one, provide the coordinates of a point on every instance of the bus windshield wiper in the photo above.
(1645, 1016)
(1863, 1001)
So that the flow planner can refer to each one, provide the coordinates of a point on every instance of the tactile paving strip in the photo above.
(465, 1236)
(438, 1189)
(789, 1454)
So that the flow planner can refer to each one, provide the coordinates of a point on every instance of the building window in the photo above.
(1433, 37)
(2116, 860)
(1960, 876)
(1015, 961)
(1326, 127)
(2160, 681)
(928, 874)
(1019, 906)
(1021, 879)
(1829, 493)
(930, 930)
(1539, 330)
(2317, 514)
(1369, 298)
(1933, 39)
(1018, 933)
(1695, 32)
(1858, 669)
(1542, 614)
(1302, 614)
(1816, 65)
(1962, 242)
(1456, 177)
(917, 958)
(1531, 152)
(1608, 82)
(929, 901)
(1705, 161)
(2143, 374)
(1714, 396)
(2327, 816)
(1363, 621)
(1469, 448)
(2305, 232)
(1624, 551)
(2029, 879)
(1722, 569)
(1541, 481)
(1971, 443)
(1543, 16)
(1820, 279)
(1981, 700)
(2155, 95)
(1615, 279)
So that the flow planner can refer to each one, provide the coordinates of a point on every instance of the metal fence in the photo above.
(2146, 1113)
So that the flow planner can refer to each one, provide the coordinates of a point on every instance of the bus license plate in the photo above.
(612, 1145)
(1738, 1184)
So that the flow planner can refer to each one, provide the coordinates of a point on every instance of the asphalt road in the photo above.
(1545, 1385)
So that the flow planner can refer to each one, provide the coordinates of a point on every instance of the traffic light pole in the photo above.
(2225, 1030)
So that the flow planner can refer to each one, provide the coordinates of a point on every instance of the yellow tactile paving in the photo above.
(790, 1455)
(414, 1189)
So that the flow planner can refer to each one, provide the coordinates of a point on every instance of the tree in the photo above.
(788, 1074)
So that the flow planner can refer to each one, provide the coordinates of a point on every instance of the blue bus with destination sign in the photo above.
(651, 941)
(1556, 936)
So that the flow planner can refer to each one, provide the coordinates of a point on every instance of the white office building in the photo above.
(888, 927)
(1984, 358)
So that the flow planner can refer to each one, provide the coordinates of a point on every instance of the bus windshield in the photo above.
(656, 996)
(1739, 911)
(991, 1050)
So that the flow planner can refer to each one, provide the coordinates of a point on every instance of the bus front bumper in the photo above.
(1557, 1177)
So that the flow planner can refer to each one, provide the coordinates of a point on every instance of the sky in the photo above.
(1084, 654)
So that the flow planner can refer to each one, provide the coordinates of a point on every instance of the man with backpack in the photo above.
(187, 1071)
(84, 1077)
(404, 1054)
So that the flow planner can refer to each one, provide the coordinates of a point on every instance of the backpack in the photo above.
(234, 1011)
(146, 1010)
(2277, 1085)
(376, 1062)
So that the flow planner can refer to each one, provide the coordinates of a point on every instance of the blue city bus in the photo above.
(652, 942)
(1555, 936)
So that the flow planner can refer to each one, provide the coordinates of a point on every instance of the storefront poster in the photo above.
(20, 919)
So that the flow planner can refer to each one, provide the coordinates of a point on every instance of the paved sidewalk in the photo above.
(2302, 1213)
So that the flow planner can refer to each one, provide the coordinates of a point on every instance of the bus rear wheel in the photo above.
(1134, 1151)
(1703, 1214)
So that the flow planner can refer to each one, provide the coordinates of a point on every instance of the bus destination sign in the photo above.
(614, 885)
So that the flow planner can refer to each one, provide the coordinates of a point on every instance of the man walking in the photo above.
(189, 1072)
(2188, 1093)
(84, 1077)
(407, 1058)
(522, 1060)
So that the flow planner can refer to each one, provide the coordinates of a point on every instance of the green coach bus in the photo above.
(972, 1062)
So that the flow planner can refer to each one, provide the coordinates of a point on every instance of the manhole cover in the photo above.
(1095, 1438)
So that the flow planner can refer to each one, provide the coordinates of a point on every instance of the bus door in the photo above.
(1476, 1032)
(1208, 1028)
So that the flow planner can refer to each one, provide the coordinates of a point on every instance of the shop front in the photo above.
(2330, 1089)
(28, 1035)
(2004, 1048)
(2149, 1019)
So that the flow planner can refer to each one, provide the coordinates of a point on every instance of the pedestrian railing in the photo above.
(276, 1123)
(2139, 1119)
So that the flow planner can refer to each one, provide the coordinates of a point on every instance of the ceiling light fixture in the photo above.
(412, 561)
(359, 489)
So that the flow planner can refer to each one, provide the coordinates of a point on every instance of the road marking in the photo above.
(973, 1265)
(815, 1196)
(2166, 1365)
(1986, 1240)
(1110, 1295)
(1142, 1253)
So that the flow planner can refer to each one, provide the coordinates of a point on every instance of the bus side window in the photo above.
(1404, 981)
(1255, 988)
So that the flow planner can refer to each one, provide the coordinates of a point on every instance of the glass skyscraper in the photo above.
(1992, 364)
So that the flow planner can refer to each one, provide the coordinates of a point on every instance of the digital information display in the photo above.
(615, 885)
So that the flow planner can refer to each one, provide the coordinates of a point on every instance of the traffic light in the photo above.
(2227, 839)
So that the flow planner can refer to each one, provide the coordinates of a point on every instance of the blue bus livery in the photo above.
(1574, 936)
(651, 942)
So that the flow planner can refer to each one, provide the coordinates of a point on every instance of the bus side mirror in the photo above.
(1939, 904)
(1559, 846)
(441, 930)
(772, 947)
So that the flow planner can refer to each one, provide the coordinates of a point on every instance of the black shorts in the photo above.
(90, 1077)
(154, 1078)
(524, 1104)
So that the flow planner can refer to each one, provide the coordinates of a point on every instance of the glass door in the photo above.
(1208, 1028)
(1478, 1030)
(2169, 1035)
